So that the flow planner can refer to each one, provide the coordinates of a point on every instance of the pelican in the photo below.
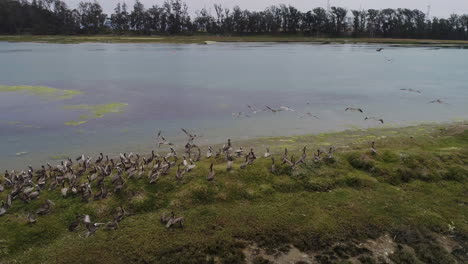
(229, 163)
(438, 101)
(227, 147)
(308, 114)
(252, 155)
(410, 90)
(120, 214)
(190, 166)
(33, 195)
(211, 174)
(286, 108)
(209, 153)
(253, 109)
(174, 221)
(190, 136)
(82, 157)
(3, 209)
(179, 173)
(244, 165)
(273, 110)
(239, 115)
(64, 190)
(285, 155)
(267, 153)
(92, 228)
(239, 152)
(273, 167)
(45, 208)
(373, 149)
(317, 156)
(375, 119)
(101, 157)
(31, 219)
(75, 224)
(163, 141)
(352, 109)
(112, 225)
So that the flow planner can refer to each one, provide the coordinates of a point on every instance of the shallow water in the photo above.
(198, 87)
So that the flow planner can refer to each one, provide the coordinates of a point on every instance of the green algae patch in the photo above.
(42, 91)
(13, 122)
(75, 123)
(95, 111)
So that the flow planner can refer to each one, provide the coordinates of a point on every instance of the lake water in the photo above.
(198, 87)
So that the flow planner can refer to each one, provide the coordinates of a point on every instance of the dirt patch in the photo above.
(381, 247)
(253, 254)
(447, 243)
(455, 130)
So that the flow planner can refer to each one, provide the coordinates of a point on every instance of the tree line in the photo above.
(172, 17)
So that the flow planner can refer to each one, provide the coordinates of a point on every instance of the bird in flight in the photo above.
(190, 136)
(438, 101)
(253, 109)
(379, 49)
(375, 119)
(239, 115)
(411, 90)
(352, 109)
(285, 108)
(308, 114)
(273, 110)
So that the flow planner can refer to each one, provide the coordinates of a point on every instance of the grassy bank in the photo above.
(406, 204)
(197, 39)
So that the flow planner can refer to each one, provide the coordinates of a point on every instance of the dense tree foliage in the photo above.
(172, 17)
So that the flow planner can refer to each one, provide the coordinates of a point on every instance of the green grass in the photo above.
(412, 190)
(201, 39)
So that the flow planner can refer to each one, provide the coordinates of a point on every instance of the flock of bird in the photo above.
(96, 179)
(252, 110)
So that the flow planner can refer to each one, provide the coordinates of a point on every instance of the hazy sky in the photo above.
(438, 7)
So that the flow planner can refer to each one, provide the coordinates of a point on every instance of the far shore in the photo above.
(204, 39)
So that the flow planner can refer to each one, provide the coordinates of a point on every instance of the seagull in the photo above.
(410, 90)
(375, 119)
(352, 109)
